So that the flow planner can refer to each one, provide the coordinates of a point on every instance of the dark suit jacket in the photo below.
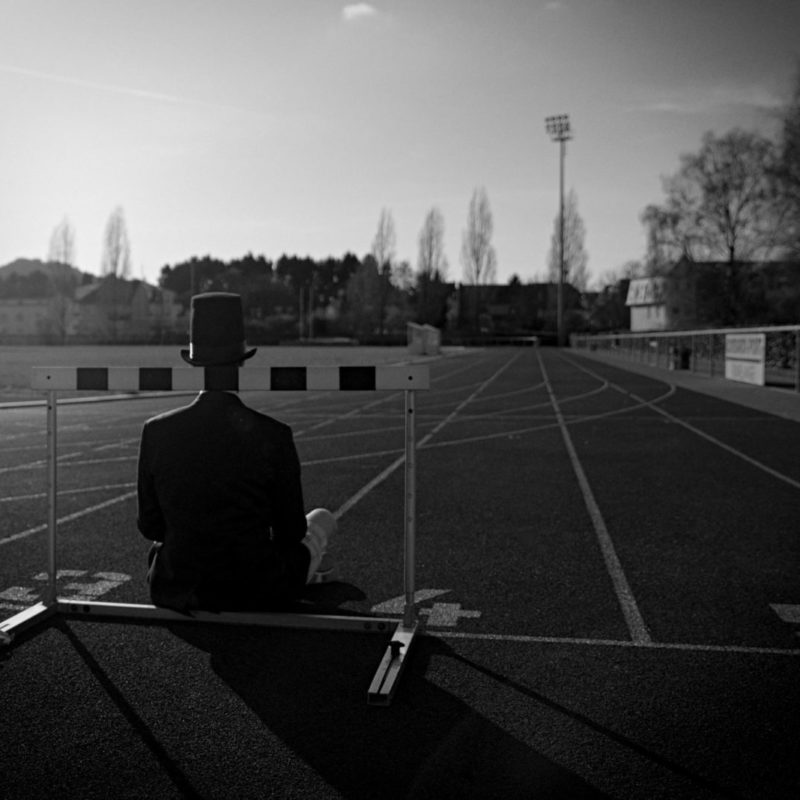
(219, 486)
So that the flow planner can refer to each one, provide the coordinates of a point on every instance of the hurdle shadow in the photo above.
(309, 690)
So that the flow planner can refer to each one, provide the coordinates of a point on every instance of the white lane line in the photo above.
(627, 601)
(649, 645)
(356, 412)
(69, 518)
(40, 463)
(702, 434)
(353, 457)
(65, 492)
(382, 476)
(463, 404)
(545, 426)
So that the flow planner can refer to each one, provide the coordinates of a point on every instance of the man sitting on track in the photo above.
(219, 489)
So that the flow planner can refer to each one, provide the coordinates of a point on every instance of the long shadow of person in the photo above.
(309, 690)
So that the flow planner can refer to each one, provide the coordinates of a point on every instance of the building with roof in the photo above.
(647, 300)
(42, 302)
(704, 294)
(513, 308)
(113, 309)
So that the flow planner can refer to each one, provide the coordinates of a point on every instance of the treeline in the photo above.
(347, 296)
(736, 199)
(50, 279)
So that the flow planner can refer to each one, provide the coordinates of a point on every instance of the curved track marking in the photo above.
(702, 434)
(546, 426)
(382, 476)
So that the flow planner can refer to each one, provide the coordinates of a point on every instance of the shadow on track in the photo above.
(427, 744)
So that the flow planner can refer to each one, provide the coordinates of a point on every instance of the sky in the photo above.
(223, 127)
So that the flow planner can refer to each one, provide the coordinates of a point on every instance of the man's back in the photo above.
(219, 484)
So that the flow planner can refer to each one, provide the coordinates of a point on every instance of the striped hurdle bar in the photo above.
(409, 379)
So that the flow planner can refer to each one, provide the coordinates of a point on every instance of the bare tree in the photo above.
(116, 246)
(62, 244)
(478, 257)
(575, 258)
(363, 297)
(431, 267)
(385, 241)
(720, 204)
(431, 260)
(788, 171)
(62, 278)
(383, 251)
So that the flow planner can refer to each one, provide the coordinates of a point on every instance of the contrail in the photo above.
(144, 94)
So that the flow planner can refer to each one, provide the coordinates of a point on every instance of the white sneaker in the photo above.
(327, 571)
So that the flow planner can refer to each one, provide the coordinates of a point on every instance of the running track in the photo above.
(605, 562)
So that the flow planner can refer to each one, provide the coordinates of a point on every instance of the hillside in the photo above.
(25, 267)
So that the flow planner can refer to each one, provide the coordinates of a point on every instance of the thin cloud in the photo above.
(356, 11)
(113, 88)
(703, 101)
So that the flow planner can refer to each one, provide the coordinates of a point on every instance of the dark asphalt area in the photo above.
(600, 550)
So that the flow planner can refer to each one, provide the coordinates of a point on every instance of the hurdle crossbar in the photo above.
(408, 378)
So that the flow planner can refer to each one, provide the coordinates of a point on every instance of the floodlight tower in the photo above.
(559, 130)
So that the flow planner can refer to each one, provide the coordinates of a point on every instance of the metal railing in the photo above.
(701, 351)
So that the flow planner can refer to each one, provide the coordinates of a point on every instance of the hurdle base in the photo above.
(381, 690)
(269, 619)
(35, 614)
(386, 680)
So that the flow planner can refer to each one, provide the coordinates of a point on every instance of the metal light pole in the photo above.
(559, 130)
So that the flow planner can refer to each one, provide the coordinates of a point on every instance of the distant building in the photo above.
(44, 302)
(647, 300)
(513, 307)
(703, 294)
(24, 318)
(113, 309)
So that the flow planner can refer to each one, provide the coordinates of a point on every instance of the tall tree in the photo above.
(363, 297)
(431, 259)
(116, 246)
(575, 257)
(62, 279)
(383, 251)
(719, 205)
(385, 241)
(62, 244)
(788, 171)
(431, 268)
(478, 257)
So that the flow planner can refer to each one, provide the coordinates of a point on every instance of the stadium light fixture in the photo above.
(559, 129)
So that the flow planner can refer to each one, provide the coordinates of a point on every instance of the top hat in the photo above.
(216, 331)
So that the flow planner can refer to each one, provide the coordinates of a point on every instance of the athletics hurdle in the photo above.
(408, 378)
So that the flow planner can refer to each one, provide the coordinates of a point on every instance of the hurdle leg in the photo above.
(39, 612)
(410, 507)
(27, 618)
(52, 495)
(386, 678)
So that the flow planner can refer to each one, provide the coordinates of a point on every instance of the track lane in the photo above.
(546, 684)
(704, 533)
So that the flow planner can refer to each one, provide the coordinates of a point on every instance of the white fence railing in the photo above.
(701, 351)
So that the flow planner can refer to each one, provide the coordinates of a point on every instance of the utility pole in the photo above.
(301, 315)
(559, 130)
